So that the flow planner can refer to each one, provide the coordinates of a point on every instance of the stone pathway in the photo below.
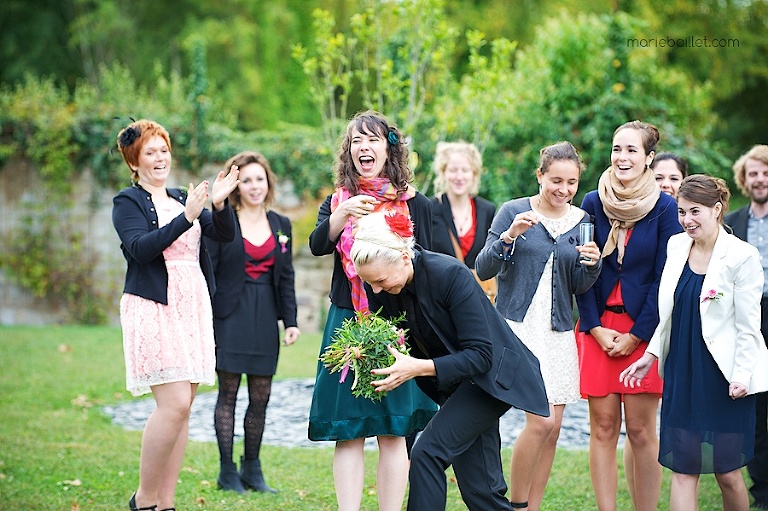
(288, 412)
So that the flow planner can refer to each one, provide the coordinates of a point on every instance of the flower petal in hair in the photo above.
(400, 224)
(129, 136)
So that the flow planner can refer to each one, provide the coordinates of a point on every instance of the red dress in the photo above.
(599, 373)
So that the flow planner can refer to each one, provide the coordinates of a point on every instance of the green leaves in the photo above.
(360, 345)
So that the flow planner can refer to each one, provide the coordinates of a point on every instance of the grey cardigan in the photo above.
(520, 271)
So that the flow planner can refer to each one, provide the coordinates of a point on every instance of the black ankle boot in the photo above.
(229, 479)
(251, 476)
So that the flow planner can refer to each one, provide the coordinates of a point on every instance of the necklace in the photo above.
(463, 224)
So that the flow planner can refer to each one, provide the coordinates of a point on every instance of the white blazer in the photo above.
(730, 325)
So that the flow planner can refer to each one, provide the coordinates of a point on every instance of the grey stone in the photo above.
(288, 416)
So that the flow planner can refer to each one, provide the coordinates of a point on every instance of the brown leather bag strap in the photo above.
(454, 241)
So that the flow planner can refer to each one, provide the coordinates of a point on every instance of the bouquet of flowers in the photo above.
(360, 345)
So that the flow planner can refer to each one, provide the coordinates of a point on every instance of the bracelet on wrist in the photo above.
(506, 239)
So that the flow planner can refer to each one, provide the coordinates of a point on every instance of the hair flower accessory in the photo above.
(129, 136)
(283, 239)
(712, 294)
(400, 224)
(362, 344)
(392, 137)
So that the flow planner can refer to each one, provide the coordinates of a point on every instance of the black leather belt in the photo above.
(616, 309)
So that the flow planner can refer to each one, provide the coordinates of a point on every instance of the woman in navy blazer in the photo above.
(463, 355)
(618, 314)
(709, 347)
(460, 217)
(165, 310)
(255, 289)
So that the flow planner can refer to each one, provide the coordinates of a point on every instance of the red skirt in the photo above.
(599, 373)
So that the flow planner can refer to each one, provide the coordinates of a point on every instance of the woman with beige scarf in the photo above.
(633, 221)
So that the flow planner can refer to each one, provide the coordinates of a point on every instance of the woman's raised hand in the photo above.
(224, 184)
(196, 197)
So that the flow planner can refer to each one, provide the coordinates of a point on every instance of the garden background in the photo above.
(282, 77)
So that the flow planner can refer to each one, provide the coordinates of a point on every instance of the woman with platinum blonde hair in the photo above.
(462, 355)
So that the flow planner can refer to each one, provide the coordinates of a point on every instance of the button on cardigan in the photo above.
(520, 271)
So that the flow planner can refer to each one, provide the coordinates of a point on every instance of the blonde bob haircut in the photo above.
(375, 241)
(443, 154)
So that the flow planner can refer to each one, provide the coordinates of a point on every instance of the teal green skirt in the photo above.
(336, 414)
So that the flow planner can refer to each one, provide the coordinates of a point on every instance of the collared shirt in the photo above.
(757, 235)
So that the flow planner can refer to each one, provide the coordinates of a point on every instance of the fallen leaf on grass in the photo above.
(302, 493)
(73, 482)
(82, 401)
(64, 348)
(200, 500)
(75, 506)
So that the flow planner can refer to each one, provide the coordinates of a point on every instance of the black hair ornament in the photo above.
(129, 136)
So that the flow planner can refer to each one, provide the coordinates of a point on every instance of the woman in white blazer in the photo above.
(710, 350)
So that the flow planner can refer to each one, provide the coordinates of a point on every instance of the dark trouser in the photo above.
(464, 433)
(758, 467)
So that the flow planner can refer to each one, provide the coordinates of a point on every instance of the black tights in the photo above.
(259, 388)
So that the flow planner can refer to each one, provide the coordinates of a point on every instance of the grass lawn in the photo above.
(58, 451)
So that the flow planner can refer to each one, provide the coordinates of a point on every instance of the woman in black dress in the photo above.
(254, 289)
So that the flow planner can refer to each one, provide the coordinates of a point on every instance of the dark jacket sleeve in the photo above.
(589, 316)
(140, 240)
(420, 208)
(668, 224)
(286, 279)
(319, 244)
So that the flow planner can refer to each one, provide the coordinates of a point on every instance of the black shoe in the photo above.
(759, 504)
(251, 476)
(132, 505)
(229, 478)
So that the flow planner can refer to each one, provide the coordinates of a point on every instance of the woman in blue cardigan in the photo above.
(618, 314)
(255, 289)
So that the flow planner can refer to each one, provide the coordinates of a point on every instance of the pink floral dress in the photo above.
(174, 342)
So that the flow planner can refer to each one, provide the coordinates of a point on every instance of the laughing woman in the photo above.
(372, 174)
(534, 247)
(165, 310)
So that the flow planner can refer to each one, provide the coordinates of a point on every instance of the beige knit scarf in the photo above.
(624, 206)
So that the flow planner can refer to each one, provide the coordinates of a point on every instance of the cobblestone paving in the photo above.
(288, 411)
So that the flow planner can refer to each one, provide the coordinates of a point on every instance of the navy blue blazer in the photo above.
(228, 261)
(142, 242)
(420, 209)
(442, 222)
(738, 221)
(640, 272)
(481, 345)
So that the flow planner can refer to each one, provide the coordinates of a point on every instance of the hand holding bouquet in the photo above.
(360, 345)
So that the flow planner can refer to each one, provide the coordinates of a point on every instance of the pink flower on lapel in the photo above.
(283, 239)
(712, 294)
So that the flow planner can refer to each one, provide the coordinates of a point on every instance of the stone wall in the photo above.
(20, 182)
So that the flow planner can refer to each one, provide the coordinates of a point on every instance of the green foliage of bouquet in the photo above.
(360, 345)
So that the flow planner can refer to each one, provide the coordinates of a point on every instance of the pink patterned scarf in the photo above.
(389, 200)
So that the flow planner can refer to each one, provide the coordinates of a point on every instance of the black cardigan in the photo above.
(228, 261)
(142, 242)
(420, 208)
(442, 222)
(481, 347)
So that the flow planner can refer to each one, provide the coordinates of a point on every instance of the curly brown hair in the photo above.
(396, 167)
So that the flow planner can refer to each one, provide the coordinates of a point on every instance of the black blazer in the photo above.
(228, 261)
(481, 345)
(738, 221)
(442, 221)
(142, 242)
(420, 209)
